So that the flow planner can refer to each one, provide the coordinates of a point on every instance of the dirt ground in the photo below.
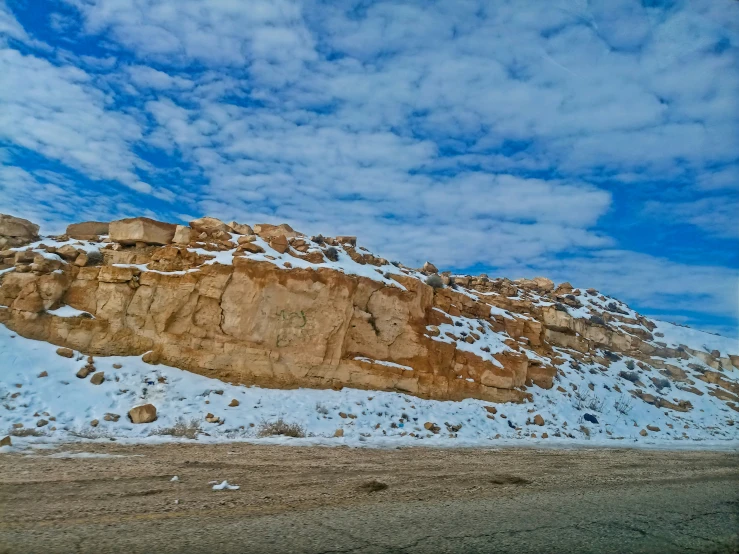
(321, 500)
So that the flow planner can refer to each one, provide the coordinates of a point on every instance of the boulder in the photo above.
(143, 230)
(143, 414)
(65, 352)
(538, 420)
(208, 225)
(428, 267)
(267, 231)
(5, 441)
(17, 228)
(280, 244)
(98, 378)
(182, 235)
(87, 230)
(241, 228)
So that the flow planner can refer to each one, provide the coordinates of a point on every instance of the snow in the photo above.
(383, 362)
(225, 486)
(69, 311)
(181, 396)
(175, 478)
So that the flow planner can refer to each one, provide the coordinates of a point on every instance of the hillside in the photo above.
(268, 323)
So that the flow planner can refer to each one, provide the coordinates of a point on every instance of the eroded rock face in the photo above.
(256, 321)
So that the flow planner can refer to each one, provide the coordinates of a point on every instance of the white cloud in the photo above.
(464, 132)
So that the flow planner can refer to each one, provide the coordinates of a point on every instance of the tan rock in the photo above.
(42, 374)
(339, 433)
(181, 235)
(84, 372)
(233, 403)
(98, 378)
(267, 231)
(538, 420)
(41, 423)
(111, 417)
(208, 225)
(279, 243)
(241, 228)
(5, 441)
(428, 267)
(94, 423)
(653, 428)
(643, 433)
(141, 229)
(17, 227)
(87, 230)
(347, 239)
(65, 352)
(251, 248)
(143, 414)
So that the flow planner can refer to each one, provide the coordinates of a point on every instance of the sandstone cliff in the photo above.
(266, 305)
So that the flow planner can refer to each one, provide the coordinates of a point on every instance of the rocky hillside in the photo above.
(266, 305)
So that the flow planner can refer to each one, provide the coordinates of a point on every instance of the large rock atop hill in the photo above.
(87, 230)
(142, 229)
(15, 231)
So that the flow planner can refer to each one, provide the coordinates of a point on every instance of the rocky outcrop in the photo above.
(277, 309)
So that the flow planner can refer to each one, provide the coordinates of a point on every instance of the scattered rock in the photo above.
(591, 418)
(233, 403)
(41, 423)
(544, 436)
(143, 414)
(643, 433)
(429, 426)
(491, 409)
(117, 366)
(339, 433)
(653, 428)
(538, 420)
(43, 374)
(94, 423)
(98, 378)
(84, 372)
(65, 352)
(111, 417)
(5, 441)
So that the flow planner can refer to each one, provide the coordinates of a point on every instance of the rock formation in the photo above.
(275, 308)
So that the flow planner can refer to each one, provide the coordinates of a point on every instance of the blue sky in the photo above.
(594, 142)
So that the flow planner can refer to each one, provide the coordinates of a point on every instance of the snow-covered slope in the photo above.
(601, 416)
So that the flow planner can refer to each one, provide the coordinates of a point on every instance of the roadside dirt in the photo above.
(126, 501)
